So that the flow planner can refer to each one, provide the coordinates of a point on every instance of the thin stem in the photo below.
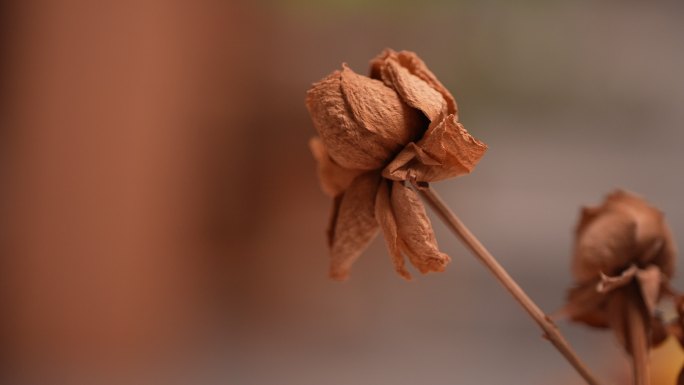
(551, 331)
(638, 343)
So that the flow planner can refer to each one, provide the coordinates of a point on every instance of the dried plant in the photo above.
(378, 137)
(623, 261)
(374, 134)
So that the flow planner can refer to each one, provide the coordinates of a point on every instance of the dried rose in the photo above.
(623, 252)
(376, 133)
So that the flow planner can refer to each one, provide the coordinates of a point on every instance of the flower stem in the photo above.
(638, 343)
(551, 331)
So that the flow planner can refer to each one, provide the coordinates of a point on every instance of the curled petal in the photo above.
(354, 224)
(650, 281)
(385, 217)
(608, 283)
(446, 150)
(414, 91)
(361, 122)
(603, 304)
(334, 178)
(417, 238)
(587, 305)
(415, 66)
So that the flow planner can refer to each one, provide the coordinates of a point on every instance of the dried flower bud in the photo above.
(624, 253)
(374, 134)
(624, 231)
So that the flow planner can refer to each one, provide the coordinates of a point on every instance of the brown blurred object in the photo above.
(116, 113)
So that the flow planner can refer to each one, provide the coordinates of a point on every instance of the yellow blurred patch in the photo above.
(666, 361)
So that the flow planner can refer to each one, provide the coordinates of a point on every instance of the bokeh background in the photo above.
(161, 221)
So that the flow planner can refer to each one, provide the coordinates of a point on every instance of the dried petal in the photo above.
(334, 178)
(608, 283)
(585, 304)
(624, 230)
(446, 150)
(650, 281)
(332, 222)
(414, 91)
(603, 304)
(665, 257)
(361, 122)
(652, 231)
(415, 66)
(380, 111)
(415, 231)
(604, 245)
(385, 217)
(355, 225)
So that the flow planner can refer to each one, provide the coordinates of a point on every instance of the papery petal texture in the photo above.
(414, 91)
(417, 238)
(446, 150)
(355, 224)
(415, 66)
(384, 214)
(361, 122)
(334, 178)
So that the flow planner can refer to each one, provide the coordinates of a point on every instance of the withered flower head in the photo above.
(623, 252)
(375, 133)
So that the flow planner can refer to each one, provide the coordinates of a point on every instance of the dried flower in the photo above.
(623, 252)
(376, 133)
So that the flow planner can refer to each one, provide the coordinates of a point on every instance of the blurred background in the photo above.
(161, 221)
